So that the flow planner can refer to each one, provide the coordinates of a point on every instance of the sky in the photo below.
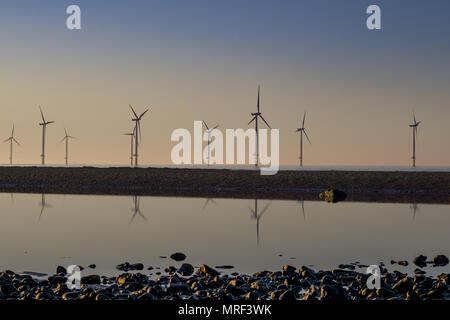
(203, 60)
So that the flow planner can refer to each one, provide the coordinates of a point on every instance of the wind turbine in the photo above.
(44, 129)
(137, 133)
(258, 216)
(414, 127)
(257, 115)
(131, 134)
(11, 139)
(209, 131)
(208, 200)
(67, 137)
(43, 205)
(302, 131)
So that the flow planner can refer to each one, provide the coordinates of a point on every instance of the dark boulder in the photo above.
(333, 195)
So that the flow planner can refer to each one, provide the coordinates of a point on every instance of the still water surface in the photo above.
(39, 232)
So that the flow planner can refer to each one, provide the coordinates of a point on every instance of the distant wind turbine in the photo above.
(137, 133)
(11, 139)
(209, 131)
(67, 137)
(302, 131)
(136, 210)
(131, 134)
(44, 129)
(414, 127)
(257, 115)
(43, 204)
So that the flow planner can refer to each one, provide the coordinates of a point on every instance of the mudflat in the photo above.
(400, 186)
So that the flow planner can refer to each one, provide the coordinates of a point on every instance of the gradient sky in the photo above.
(193, 60)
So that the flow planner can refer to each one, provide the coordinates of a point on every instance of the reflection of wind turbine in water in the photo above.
(415, 208)
(303, 209)
(136, 210)
(131, 134)
(43, 205)
(258, 216)
(302, 131)
(208, 200)
(11, 139)
(257, 115)
(208, 131)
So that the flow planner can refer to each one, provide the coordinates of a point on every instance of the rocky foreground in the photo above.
(206, 283)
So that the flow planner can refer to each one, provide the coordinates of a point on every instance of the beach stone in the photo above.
(420, 261)
(418, 271)
(170, 269)
(403, 285)
(61, 269)
(178, 287)
(7, 289)
(333, 195)
(57, 279)
(289, 268)
(91, 279)
(235, 290)
(71, 296)
(440, 260)
(92, 266)
(403, 263)
(287, 295)
(178, 256)
(206, 270)
(225, 267)
(186, 269)
(329, 292)
(307, 272)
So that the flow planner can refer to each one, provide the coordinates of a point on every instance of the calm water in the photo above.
(38, 232)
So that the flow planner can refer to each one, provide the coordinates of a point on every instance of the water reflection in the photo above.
(136, 210)
(208, 200)
(43, 204)
(415, 208)
(258, 216)
(302, 202)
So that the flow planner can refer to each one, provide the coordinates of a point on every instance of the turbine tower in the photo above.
(302, 131)
(208, 131)
(131, 134)
(11, 139)
(137, 133)
(67, 137)
(44, 129)
(414, 127)
(257, 216)
(255, 116)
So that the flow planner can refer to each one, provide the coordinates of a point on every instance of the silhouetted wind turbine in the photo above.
(208, 200)
(302, 131)
(136, 210)
(137, 134)
(67, 137)
(11, 139)
(131, 134)
(44, 129)
(414, 127)
(258, 216)
(209, 131)
(257, 115)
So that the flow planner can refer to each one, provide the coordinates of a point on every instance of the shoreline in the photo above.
(360, 186)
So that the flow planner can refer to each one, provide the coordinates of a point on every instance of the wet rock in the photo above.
(71, 296)
(328, 292)
(178, 256)
(235, 290)
(347, 266)
(170, 269)
(92, 266)
(91, 279)
(225, 267)
(419, 271)
(186, 269)
(7, 289)
(333, 195)
(207, 271)
(307, 273)
(420, 261)
(61, 270)
(403, 263)
(126, 266)
(178, 287)
(287, 295)
(440, 260)
(57, 279)
(404, 285)
(289, 268)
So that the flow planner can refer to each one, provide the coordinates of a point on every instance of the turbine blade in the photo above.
(207, 128)
(140, 117)
(65, 132)
(42, 114)
(306, 136)
(414, 116)
(258, 96)
(265, 121)
(12, 132)
(304, 117)
(62, 140)
(215, 127)
(133, 111)
(264, 210)
(253, 119)
(17, 142)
